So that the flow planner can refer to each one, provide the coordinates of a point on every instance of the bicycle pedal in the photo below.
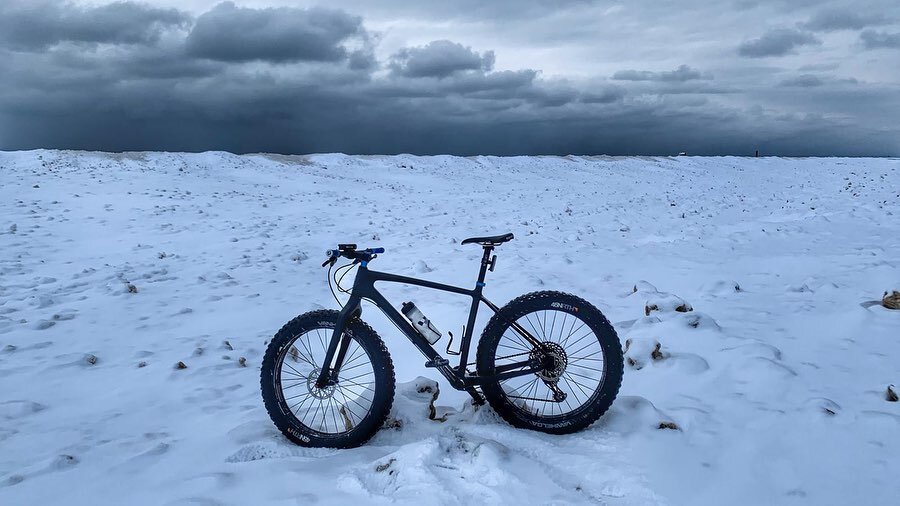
(437, 362)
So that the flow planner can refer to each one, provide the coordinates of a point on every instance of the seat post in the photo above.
(485, 262)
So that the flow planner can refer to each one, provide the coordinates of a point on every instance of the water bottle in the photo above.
(421, 322)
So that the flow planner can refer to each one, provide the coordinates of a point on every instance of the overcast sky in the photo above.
(787, 77)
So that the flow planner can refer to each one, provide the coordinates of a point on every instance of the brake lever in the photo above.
(330, 261)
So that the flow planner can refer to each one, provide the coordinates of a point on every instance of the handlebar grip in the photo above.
(377, 250)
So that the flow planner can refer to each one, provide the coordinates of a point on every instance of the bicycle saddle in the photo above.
(494, 240)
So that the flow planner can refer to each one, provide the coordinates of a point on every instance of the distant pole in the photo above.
(757, 153)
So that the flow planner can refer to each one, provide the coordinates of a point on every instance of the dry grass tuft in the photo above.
(892, 300)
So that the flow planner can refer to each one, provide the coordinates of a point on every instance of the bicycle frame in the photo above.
(364, 288)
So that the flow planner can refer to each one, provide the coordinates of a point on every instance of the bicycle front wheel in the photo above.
(580, 355)
(343, 415)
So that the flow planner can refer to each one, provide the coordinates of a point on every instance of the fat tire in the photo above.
(600, 401)
(384, 382)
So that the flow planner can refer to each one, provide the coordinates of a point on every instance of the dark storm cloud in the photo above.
(803, 81)
(295, 80)
(505, 89)
(843, 19)
(440, 58)
(506, 84)
(499, 82)
(681, 74)
(236, 34)
(159, 63)
(603, 95)
(818, 67)
(467, 9)
(776, 42)
(38, 24)
(875, 40)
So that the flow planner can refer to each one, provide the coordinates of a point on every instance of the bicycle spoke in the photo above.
(323, 423)
(297, 355)
(586, 357)
(365, 409)
(345, 369)
(573, 380)
(298, 373)
(358, 376)
(353, 357)
(583, 376)
(347, 408)
(302, 394)
(301, 403)
(306, 345)
(586, 346)
(553, 325)
(512, 347)
(321, 340)
(572, 331)
(533, 328)
(585, 367)
(333, 414)
(519, 338)
(573, 343)
(586, 396)
(360, 386)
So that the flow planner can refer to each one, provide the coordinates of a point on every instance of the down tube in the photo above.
(420, 342)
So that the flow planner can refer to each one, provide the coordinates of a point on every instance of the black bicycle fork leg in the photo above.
(338, 345)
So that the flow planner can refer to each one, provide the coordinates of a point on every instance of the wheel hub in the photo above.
(318, 393)
(553, 359)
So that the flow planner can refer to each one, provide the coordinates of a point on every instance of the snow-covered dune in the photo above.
(771, 389)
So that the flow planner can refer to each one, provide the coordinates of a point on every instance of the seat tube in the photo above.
(473, 310)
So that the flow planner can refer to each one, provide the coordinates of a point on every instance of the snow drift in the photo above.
(137, 292)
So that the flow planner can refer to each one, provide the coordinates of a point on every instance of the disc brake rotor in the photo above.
(318, 393)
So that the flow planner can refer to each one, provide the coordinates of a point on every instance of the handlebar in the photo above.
(350, 251)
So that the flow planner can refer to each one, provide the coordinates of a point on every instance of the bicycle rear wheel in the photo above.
(580, 354)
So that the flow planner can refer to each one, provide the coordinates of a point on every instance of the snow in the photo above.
(759, 373)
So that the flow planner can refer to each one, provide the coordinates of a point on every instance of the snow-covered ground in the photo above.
(775, 381)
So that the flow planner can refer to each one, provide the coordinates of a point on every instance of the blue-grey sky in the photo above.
(787, 77)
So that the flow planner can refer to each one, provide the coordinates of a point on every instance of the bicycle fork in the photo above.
(338, 345)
